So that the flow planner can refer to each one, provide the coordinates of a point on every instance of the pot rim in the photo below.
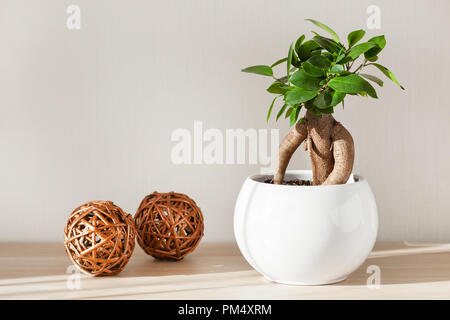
(260, 177)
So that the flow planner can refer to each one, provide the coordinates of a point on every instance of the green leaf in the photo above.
(328, 44)
(354, 36)
(340, 57)
(271, 107)
(261, 70)
(372, 59)
(319, 62)
(323, 100)
(312, 70)
(337, 97)
(289, 60)
(327, 55)
(352, 84)
(387, 73)
(283, 79)
(295, 61)
(337, 68)
(278, 88)
(305, 49)
(327, 110)
(298, 43)
(317, 52)
(372, 78)
(298, 95)
(281, 111)
(326, 28)
(278, 62)
(294, 115)
(380, 43)
(302, 80)
(316, 111)
(359, 49)
(288, 113)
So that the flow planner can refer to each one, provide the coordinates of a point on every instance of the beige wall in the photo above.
(88, 114)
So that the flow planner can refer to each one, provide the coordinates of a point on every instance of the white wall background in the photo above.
(88, 114)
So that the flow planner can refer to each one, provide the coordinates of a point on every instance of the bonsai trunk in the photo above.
(330, 148)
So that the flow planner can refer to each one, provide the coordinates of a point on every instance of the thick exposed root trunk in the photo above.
(330, 148)
(343, 154)
(320, 129)
(290, 143)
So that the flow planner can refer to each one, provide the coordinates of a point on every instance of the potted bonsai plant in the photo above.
(324, 227)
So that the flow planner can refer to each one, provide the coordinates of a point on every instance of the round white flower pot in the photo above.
(305, 235)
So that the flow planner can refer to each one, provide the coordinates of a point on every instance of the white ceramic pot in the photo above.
(305, 235)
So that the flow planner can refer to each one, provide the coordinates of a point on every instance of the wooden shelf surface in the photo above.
(218, 271)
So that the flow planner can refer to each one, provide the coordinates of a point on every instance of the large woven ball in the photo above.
(168, 225)
(99, 238)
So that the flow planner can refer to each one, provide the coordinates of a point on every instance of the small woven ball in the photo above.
(99, 238)
(168, 225)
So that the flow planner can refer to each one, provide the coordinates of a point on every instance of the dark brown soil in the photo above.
(292, 182)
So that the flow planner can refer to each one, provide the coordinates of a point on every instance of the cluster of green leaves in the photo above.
(319, 72)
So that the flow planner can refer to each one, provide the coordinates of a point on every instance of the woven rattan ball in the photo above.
(168, 225)
(99, 238)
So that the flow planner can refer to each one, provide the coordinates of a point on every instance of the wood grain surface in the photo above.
(218, 271)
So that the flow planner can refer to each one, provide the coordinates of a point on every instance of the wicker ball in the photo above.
(168, 225)
(99, 238)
